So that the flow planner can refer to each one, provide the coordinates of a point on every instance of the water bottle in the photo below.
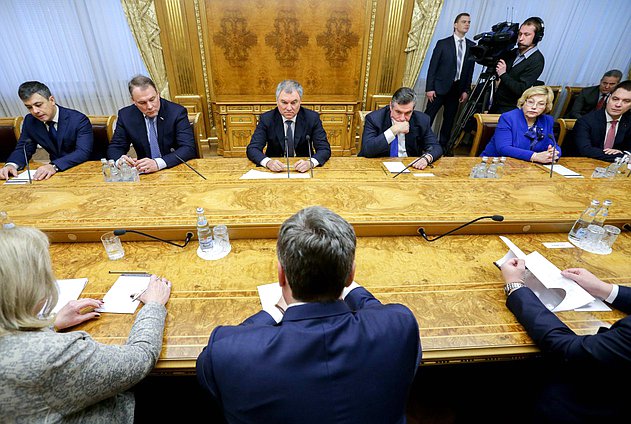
(602, 214)
(479, 171)
(612, 169)
(114, 172)
(204, 235)
(125, 172)
(105, 169)
(6, 221)
(579, 230)
(501, 167)
(491, 171)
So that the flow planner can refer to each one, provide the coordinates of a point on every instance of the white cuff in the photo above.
(276, 314)
(264, 162)
(390, 137)
(315, 162)
(349, 289)
(612, 296)
(161, 163)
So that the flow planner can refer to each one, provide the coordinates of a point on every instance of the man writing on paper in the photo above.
(337, 355)
(582, 363)
(290, 122)
(66, 134)
(398, 130)
(153, 126)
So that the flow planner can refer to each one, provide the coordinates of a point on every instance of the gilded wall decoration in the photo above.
(312, 81)
(287, 38)
(235, 38)
(337, 39)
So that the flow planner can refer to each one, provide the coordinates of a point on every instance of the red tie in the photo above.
(611, 135)
(601, 102)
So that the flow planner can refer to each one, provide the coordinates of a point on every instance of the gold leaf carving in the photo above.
(287, 38)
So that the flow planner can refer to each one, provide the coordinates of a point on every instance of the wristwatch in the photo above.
(511, 287)
(55, 167)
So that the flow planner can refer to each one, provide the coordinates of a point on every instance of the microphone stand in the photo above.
(28, 167)
(189, 236)
(554, 151)
(309, 147)
(287, 157)
(184, 162)
(421, 230)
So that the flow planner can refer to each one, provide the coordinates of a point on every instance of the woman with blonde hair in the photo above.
(526, 132)
(65, 377)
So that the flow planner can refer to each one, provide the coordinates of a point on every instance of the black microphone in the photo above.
(309, 147)
(554, 150)
(626, 227)
(497, 218)
(287, 157)
(189, 236)
(28, 167)
(182, 160)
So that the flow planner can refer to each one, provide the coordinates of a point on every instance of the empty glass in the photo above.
(113, 246)
(599, 172)
(222, 239)
(595, 234)
(610, 236)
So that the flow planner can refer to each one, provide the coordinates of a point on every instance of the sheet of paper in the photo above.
(423, 174)
(516, 250)
(254, 174)
(22, 178)
(118, 299)
(269, 295)
(562, 170)
(559, 245)
(68, 290)
(396, 167)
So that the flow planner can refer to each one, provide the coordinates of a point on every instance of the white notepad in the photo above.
(69, 290)
(118, 299)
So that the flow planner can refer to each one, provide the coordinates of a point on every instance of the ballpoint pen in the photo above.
(137, 295)
(130, 272)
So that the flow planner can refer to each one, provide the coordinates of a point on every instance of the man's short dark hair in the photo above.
(140, 81)
(613, 73)
(404, 96)
(316, 248)
(28, 88)
(625, 85)
(460, 15)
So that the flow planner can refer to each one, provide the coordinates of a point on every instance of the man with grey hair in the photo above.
(66, 134)
(595, 97)
(329, 352)
(398, 130)
(289, 130)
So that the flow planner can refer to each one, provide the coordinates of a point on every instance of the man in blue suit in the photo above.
(449, 76)
(328, 353)
(300, 127)
(153, 126)
(574, 393)
(65, 134)
(398, 130)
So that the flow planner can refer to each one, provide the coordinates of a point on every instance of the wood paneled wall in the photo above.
(225, 58)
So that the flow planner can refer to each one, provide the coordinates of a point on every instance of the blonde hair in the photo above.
(26, 280)
(538, 90)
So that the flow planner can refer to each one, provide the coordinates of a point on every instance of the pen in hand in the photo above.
(136, 296)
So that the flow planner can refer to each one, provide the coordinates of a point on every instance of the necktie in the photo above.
(611, 135)
(460, 56)
(394, 147)
(290, 139)
(601, 102)
(153, 139)
(52, 132)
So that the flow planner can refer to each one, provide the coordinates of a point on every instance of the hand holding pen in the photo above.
(158, 290)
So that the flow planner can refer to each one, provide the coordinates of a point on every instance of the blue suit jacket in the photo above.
(589, 135)
(588, 358)
(174, 131)
(271, 132)
(421, 139)
(349, 361)
(442, 67)
(74, 140)
(510, 139)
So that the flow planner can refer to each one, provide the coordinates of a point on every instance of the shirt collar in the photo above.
(529, 52)
(55, 119)
(457, 39)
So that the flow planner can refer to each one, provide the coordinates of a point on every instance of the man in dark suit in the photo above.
(449, 76)
(65, 134)
(573, 394)
(606, 133)
(398, 130)
(593, 98)
(520, 68)
(288, 121)
(329, 352)
(153, 126)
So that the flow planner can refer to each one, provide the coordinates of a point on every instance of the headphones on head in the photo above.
(539, 32)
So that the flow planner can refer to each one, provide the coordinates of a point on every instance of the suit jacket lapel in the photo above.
(301, 128)
(162, 115)
(62, 127)
(623, 124)
(279, 122)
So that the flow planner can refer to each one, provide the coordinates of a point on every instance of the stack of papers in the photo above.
(22, 178)
(118, 299)
(254, 174)
(562, 170)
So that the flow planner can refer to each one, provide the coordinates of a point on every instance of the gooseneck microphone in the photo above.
(184, 162)
(189, 236)
(287, 157)
(497, 218)
(309, 147)
(28, 167)
(554, 151)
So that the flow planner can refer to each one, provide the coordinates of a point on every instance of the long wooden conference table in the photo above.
(451, 285)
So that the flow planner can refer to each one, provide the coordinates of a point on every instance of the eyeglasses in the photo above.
(532, 102)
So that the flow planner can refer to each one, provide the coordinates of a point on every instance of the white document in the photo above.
(22, 178)
(423, 174)
(269, 295)
(254, 174)
(545, 280)
(562, 170)
(118, 299)
(559, 245)
(395, 167)
(69, 290)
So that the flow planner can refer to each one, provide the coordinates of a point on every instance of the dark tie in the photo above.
(153, 139)
(601, 102)
(290, 139)
(52, 132)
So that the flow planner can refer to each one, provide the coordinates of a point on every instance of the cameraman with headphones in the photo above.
(520, 68)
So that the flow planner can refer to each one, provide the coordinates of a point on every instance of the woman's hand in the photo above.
(77, 311)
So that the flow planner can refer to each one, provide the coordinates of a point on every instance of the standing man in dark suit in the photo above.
(449, 76)
(520, 68)
(398, 130)
(606, 133)
(288, 121)
(574, 394)
(329, 352)
(65, 134)
(593, 98)
(153, 126)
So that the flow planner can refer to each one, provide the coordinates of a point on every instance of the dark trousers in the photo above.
(450, 101)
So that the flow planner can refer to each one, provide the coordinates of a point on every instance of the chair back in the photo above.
(485, 128)
(556, 90)
(361, 120)
(565, 138)
(193, 119)
(10, 130)
(570, 97)
(102, 131)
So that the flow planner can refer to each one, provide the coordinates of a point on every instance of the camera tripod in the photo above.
(482, 93)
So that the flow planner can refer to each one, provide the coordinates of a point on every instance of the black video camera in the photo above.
(494, 44)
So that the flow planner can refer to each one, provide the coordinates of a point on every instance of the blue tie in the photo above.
(394, 147)
(153, 139)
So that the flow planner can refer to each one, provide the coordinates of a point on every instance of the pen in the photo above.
(135, 297)
(130, 272)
